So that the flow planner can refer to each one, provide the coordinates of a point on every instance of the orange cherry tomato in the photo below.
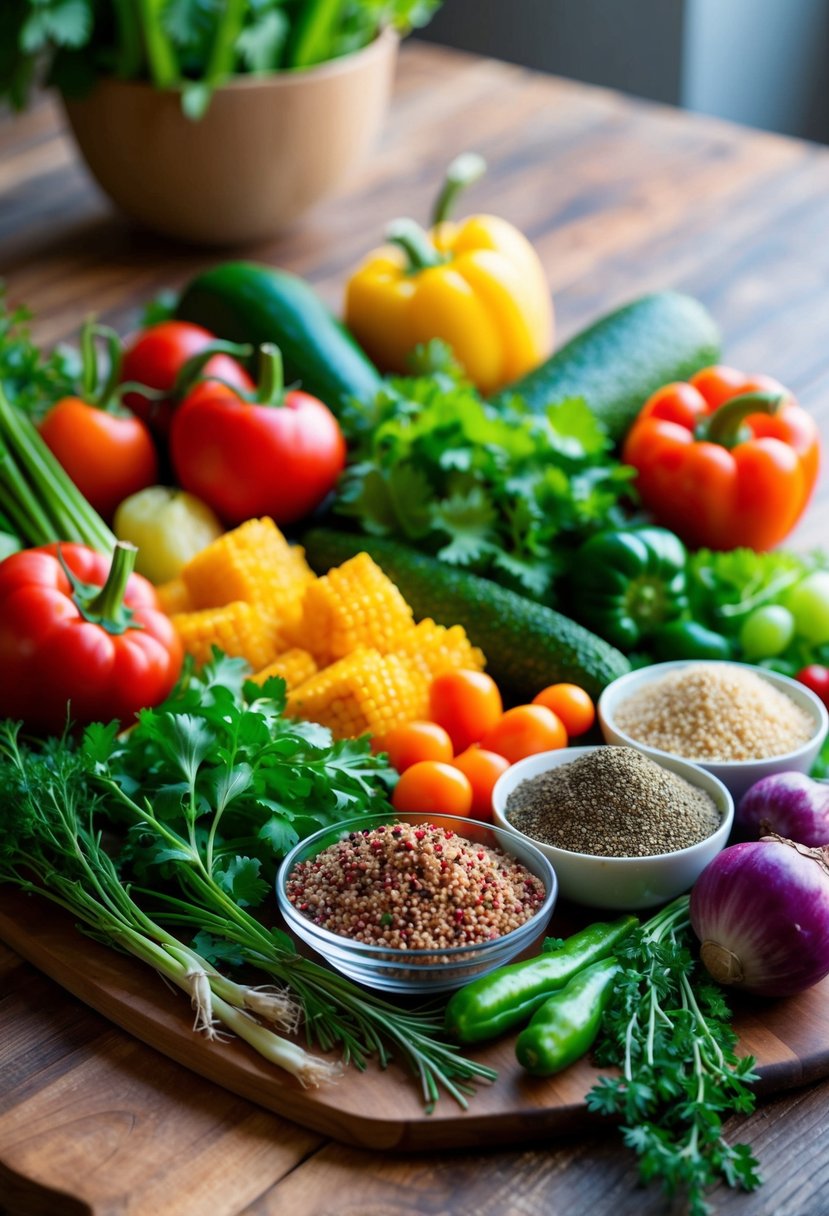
(435, 788)
(483, 769)
(525, 730)
(466, 704)
(572, 704)
(414, 741)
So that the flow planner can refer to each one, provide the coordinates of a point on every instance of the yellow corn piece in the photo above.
(435, 649)
(239, 629)
(354, 605)
(254, 563)
(295, 666)
(366, 692)
(174, 596)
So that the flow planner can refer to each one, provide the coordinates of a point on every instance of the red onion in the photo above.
(761, 911)
(789, 804)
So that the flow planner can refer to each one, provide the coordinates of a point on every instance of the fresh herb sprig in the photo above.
(503, 492)
(668, 1032)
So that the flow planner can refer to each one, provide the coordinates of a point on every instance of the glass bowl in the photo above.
(624, 884)
(419, 971)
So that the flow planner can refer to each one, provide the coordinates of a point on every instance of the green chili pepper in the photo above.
(690, 640)
(565, 1027)
(626, 583)
(510, 995)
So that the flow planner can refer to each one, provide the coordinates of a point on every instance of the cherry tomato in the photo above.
(435, 788)
(408, 744)
(816, 677)
(246, 459)
(525, 730)
(466, 704)
(108, 456)
(155, 357)
(483, 769)
(570, 703)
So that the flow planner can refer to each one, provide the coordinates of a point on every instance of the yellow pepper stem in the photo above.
(414, 241)
(464, 171)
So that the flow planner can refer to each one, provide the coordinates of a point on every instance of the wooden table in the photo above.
(620, 198)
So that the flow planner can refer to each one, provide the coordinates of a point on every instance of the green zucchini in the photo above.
(244, 302)
(624, 357)
(527, 645)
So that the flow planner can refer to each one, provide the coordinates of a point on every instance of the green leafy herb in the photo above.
(31, 380)
(667, 1030)
(503, 492)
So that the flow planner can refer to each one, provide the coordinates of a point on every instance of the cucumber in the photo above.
(620, 360)
(527, 645)
(244, 302)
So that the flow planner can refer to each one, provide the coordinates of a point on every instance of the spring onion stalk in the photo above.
(50, 847)
(161, 57)
(37, 494)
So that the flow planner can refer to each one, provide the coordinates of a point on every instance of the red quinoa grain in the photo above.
(414, 888)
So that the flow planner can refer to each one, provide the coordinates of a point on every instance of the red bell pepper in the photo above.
(725, 460)
(81, 639)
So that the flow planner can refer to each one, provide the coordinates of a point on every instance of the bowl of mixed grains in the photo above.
(738, 722)
(415, 902)
(621, 830)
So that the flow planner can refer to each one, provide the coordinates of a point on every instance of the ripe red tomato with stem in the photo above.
(156, 356)
(105, 449)
(279, 454)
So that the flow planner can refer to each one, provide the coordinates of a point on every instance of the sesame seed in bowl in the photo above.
(739, 722)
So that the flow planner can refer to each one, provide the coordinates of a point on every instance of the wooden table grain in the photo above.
(620, 197)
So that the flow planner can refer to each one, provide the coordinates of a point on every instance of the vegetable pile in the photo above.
(370, 592)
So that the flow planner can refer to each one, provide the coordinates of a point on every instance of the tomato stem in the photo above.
(271, 389)
(725, 427)
(463, 171)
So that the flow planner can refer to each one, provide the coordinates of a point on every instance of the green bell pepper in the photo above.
(627, 583)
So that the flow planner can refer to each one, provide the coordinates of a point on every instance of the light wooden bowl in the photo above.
(265, 151)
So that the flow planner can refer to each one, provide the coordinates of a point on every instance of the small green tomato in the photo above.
(809, 604)
(169, 526)
(766, 632)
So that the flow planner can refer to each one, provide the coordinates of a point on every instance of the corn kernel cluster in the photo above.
(346, 644)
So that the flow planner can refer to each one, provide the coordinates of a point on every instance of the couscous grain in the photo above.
(714, 711)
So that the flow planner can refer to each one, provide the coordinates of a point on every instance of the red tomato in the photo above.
(570, 703)
(466, 704)
(483, 769)
(415, 741)
(155, 357)
(434, 788)
(108, 456)
(525, 730)
(816, 677)
(247, 460)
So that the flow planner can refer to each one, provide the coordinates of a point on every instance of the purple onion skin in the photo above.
(789, 804)
(761, 912)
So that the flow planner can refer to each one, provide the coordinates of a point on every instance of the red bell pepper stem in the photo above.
(464, 171)
(724, 426)
(107, 607)
(419, 250)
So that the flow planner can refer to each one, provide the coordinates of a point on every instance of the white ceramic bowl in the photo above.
(419, 971)
(737, 775)
(621, 883)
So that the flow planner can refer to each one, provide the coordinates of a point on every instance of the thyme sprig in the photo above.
(668, 1032)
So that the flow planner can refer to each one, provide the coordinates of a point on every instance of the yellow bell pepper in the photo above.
(477, 284)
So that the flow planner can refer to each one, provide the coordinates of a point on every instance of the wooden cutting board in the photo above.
(380, 1109)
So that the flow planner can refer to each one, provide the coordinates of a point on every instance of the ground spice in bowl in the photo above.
(613, 802)
(414, 887)
(714, 712)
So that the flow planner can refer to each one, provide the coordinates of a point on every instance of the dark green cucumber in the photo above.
(244, 302)
(527, 645)
(624, 357)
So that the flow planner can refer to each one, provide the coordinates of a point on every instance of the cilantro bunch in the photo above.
(502, 492)
(667, 1030)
